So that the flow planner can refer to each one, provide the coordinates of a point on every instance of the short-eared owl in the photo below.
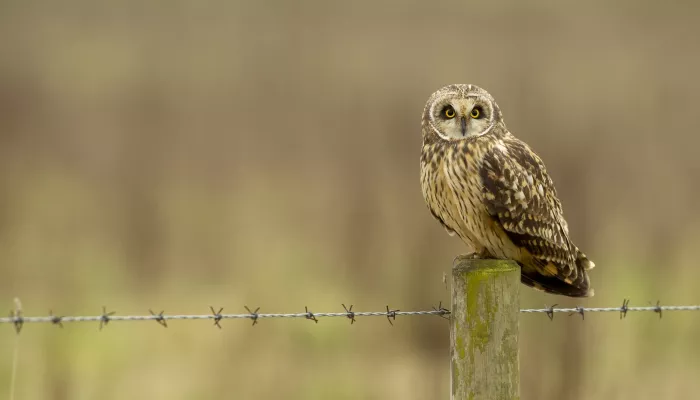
(493, 191)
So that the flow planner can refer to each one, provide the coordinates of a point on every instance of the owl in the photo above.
(490, 189)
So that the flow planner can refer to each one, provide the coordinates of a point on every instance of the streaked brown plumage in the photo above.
(493, 191)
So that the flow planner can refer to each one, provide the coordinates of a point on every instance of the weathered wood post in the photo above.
(484, 330)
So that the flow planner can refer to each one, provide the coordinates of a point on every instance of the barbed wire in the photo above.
(623, 309)
(18, 319)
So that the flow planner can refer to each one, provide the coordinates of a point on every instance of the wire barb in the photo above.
(159, 318)
(579, 310)
(624, 308)
(658, 308)
(253, 314)
(391, 314)
(550, 312)
(310, 315)
(105, 317)
(55, 319)
(16, 316)
(217, 316)
(440, 311)
(351, 315)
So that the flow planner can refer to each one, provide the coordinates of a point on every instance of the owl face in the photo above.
(458, 112)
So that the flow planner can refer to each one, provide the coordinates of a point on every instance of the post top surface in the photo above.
(486, 265)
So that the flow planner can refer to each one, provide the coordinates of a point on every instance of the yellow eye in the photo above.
(476, 112)
(449, 112)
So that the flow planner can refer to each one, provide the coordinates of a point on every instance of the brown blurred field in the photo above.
(175, 155)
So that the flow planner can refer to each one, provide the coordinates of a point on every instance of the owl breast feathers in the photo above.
(492, 190)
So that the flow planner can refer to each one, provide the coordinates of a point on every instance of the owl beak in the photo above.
(464, 126)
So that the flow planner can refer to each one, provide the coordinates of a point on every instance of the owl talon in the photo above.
(466, 257)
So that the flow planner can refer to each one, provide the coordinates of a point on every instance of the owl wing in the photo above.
(520, 196)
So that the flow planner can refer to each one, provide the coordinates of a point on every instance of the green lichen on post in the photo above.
(484, 330)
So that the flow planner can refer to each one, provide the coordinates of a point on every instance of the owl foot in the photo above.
(470, 256)
(477, 255)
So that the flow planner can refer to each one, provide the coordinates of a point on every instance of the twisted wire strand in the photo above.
(18, 319)
(98, 318)
(611, 309)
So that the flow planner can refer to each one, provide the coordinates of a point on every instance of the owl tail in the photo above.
(561, 284)
(554, 285)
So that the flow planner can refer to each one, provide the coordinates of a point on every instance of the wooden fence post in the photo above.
(484, 330)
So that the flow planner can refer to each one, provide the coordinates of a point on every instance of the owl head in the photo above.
(459, 112)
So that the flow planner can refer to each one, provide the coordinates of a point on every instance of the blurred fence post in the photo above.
(484, 330)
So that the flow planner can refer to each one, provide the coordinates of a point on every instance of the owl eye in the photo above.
(449, 112)
(476, 112)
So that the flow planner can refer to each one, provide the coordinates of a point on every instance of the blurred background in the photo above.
(175, 155)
